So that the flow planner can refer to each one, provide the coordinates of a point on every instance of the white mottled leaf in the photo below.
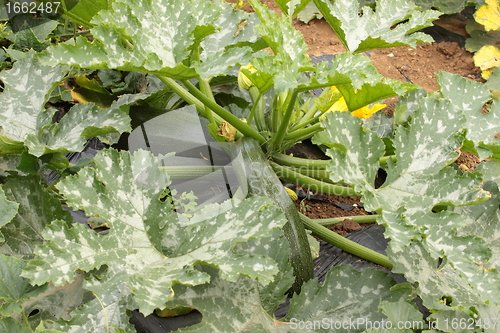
(149, 247)
(345, 296)
(289, 49)
(14, 290)
(123, 39)
(57, 301)
(25, 119)
(243, 305)
(469, 97)
(37, 208)
(8, 209)
(83, 121)
(363, 29)
(105, 312)
(27, 87)
(418, 182)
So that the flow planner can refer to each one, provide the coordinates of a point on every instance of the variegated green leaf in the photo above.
(14, 290)
(83, 121)
(483, 220)
(25, 119)
(8, 209)
(469, 97)
(290, 50)
(146, 36)
(446, 6)
(243, 305)
(107, 310)
(149, 247)
(27, 88)
(292, 7)
(41, 329)
(37, 208)
(419, 181)
(82, 11)
(346, 301)
(13, 326)
(57, 301)
(393, 23)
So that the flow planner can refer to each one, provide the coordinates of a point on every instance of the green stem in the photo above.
(207, 91)
(300, 162)
(291, 176)
(191, 171)
(306, 118)
(317, 164)
(183, 93)
(258, 107)
(344, 243)
(337, 220)
(302, 133)
(226, 115)
(317, 173)
(25, 319)
(280, 134)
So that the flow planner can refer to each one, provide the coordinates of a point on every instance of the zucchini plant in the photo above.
(236, 261)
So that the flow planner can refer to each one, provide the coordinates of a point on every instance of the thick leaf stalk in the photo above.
(345, 244)
(311, 183)
(254, 170)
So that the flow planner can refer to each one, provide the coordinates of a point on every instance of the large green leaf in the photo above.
(83, 121)
(346, 302)
(8, 209)
(469, 97)
(30, 33)
(393, 23)
(289, 49)
(13, 326)
(447, 6)
(292, 7)
(14, 290)
(108, 309)
(24, 119)
(244, 305)
(37, 208)
(82, 11)
(418, 182)
(27, 88)
(149, 247)
(483, 220)
(166, 37)
(57, 301)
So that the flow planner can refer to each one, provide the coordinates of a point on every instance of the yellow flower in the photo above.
(367, 111)
(340, 105)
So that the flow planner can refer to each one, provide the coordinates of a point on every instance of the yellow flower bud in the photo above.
(291, 193)
(243, 81)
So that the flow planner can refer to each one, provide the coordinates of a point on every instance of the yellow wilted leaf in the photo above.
(489, 15)
(487, 57)
(78, 98)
